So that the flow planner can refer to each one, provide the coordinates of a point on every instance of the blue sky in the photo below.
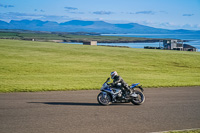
(168, 14)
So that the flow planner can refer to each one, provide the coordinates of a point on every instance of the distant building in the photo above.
(172, 44)
(90, 43)
(175, 45)
(187, 47)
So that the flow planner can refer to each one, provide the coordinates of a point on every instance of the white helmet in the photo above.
(113, 74)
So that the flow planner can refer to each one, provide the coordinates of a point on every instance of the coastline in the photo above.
(118, 41)
(127, 40)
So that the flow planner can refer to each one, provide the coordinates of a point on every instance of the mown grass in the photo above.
(43, 66)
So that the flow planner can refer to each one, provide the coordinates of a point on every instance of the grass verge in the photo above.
(44, 66)
(186, 131)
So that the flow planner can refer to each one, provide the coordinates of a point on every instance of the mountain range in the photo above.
(89, 26)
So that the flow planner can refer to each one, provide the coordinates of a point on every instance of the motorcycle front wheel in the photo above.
(104, 100)
(139, 99)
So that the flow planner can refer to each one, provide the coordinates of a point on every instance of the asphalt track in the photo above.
(78, 111)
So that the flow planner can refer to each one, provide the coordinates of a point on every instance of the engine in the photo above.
(118, 92)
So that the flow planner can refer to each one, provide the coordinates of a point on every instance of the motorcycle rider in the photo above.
(118, 79)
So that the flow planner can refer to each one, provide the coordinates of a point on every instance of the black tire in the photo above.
(104, 101)
(138, 100)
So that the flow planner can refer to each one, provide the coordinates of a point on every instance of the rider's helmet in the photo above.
(113, 74)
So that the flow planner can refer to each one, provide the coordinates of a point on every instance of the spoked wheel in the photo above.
(139, 99)
(104, 99)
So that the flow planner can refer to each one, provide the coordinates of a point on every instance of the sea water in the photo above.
(192, 39)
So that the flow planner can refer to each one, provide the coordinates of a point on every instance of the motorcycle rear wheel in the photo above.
(104, 101)
(139, 99)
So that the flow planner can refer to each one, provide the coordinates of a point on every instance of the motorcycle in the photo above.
(118, 94)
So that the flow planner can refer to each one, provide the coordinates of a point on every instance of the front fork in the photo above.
(113, 96)
(104, 94)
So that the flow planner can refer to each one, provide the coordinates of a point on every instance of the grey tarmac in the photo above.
(165, 109)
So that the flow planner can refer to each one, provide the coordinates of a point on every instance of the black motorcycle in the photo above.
(110, 95)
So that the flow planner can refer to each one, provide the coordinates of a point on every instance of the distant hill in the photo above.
(88, 26)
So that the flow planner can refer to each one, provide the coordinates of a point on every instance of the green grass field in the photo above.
(186, 131)
(42, 66)
(70, 37)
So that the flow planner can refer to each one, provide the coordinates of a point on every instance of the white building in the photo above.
(94, 43)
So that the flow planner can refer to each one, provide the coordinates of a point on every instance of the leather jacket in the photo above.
(118, 79)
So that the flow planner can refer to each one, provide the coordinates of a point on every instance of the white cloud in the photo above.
(20, 16)
(6, 6)
(145, 12)
(71, 8)
(170, 25)
(188, 15)
(102, 12)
